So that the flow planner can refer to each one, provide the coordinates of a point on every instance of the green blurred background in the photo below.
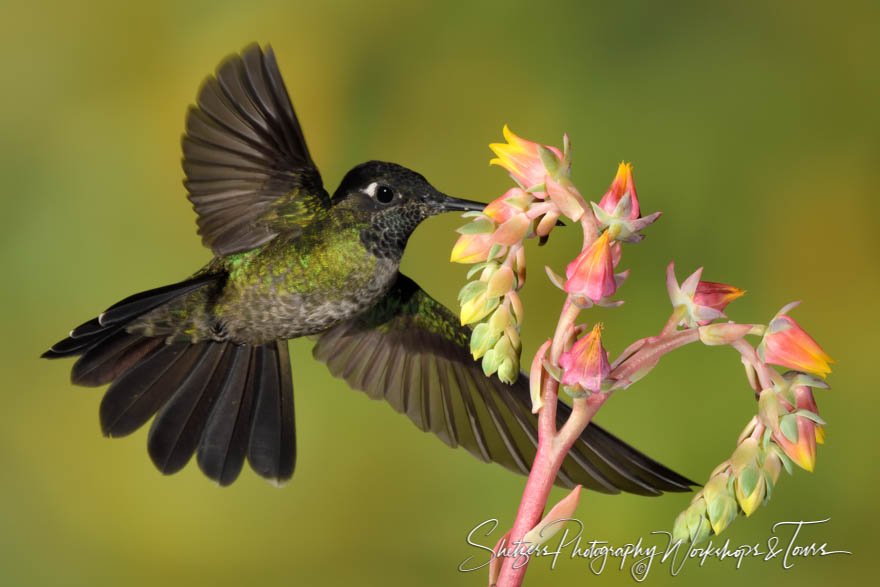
(753, 127)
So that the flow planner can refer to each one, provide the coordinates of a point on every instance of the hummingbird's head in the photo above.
(396, 200)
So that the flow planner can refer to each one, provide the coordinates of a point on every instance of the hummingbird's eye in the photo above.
(384, 194)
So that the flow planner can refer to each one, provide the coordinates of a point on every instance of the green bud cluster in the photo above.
(738, 485)
(491, 303)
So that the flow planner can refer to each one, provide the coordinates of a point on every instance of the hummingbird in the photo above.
(207, 358)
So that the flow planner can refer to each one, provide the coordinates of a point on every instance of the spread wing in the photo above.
(248, 171)
(411, 351)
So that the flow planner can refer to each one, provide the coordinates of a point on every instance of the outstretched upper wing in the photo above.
(248, 171)
(411, 351)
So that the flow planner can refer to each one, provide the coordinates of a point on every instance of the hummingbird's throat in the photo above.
(389, 231)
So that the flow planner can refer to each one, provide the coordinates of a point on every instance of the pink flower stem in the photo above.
(669, 328)
(566, 322)
(553, 445)
(651, 352)
(552, 449)
(765, 373)
(630, 350)
(591, 231)
(511, 255)
(671, 324)
(536, 210)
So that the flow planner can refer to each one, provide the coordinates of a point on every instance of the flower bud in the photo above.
(797, 434)
(622, 185)
(749, 488)
(723, 333)
(721, 512)
(477, 308)
(501, 281)
(512, 231)
(786, 343)
(482, 339)
(471, 248)
(591, 274)
(499, 320)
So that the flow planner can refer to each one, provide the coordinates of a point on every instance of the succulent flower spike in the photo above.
(785, 343)
(528, 162)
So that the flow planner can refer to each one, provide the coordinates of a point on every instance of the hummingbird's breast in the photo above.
(294, 287)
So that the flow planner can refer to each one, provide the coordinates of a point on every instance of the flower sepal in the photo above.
(623, 227)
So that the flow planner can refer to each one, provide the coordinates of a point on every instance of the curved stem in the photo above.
(566, 320)
(748, 352)
(644, 359)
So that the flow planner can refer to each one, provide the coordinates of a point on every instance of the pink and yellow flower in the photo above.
(622, 184)
(522, 159)
(787, 344)
(586, 362)
(618, 210)
(702, 300)
(591, 274)
(472, 248)
(802, 450)
(716, 295)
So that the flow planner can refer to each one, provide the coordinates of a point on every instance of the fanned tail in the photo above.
(224, 401)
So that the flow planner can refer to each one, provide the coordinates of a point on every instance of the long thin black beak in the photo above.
(450, 204)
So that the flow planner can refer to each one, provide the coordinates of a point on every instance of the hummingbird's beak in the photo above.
(450, 204)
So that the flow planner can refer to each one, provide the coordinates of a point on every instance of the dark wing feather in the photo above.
(411, 351)
(248, 171)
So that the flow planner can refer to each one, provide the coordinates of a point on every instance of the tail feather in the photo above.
(225, 401)
(272, 448)
(88, 334)
(110, 357)
(175, 433)
(224, 442)
(137, 395)
(140, 303)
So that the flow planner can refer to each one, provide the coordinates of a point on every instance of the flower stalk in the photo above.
(784, 432)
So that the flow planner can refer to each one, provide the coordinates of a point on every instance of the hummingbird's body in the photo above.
(208, 356)
(289, 287)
